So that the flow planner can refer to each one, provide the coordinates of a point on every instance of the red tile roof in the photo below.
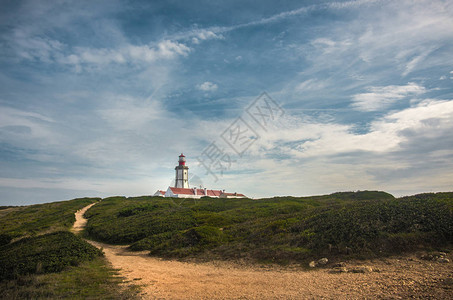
(200, 192)
(215, 193)
(182, 191)
(186, 191)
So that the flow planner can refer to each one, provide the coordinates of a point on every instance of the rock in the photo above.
(361, 269)
(337, 270)
(339, 264)
(427, 257)
(434, 256)
(320, 262)
(443, 260)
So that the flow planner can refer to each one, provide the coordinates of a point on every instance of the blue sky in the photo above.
(99, 98)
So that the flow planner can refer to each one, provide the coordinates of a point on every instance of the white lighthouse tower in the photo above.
(182, 173)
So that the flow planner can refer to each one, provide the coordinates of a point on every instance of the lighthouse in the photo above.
(182, 190)
(182, 173)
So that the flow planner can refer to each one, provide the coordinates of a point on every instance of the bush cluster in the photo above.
(34, 219)
(276, 229)
(44, 254)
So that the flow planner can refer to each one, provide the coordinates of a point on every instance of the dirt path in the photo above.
(80, 221)
(396, 278)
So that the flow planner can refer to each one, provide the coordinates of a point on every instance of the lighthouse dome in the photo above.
(182, 160)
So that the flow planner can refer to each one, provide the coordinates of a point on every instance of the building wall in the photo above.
(182, 177)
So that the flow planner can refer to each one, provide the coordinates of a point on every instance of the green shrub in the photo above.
(279, 228)
(44, 254)
(154, 242)
(35, 219)
(93, 279)
(5, 238)
(192, 241)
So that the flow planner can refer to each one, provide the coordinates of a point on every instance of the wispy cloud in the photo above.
(311, 84)
(215, 32)
(309, 138)
(199, 35)
(53, 51)
(365, 86)
(381, 97)
(207, 86)
(24, 127)
(329, 154)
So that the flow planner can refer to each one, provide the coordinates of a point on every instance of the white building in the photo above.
(182, 190)
(159, 193)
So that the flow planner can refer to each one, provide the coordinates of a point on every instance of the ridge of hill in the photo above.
(279, 229)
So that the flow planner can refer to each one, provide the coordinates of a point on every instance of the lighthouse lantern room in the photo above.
(182, 173)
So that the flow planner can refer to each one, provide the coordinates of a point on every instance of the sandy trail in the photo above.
(80, 221)
(397, 278)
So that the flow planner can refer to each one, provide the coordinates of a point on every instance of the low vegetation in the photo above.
(92, 279)
(36, 219)
(46, 253)
(41, 259)
(276, 229)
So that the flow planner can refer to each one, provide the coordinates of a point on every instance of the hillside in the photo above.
(277, 229)
(40, 258)
(36, 219)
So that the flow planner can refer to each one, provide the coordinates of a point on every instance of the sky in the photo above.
(265, 98)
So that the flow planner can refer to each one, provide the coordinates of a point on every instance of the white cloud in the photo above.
(215, 32)
(399, 150)
(311, 84)
(405, 36)
(382, 97)
(207, 86)
(412, 63)
(199, 35)
(207, 35)
(127, 113)
(165, 50)
(405, 33)
(20, 125)
(29, 45)
(34, 47)
(305, 138)
(329, 46)
(302, 10)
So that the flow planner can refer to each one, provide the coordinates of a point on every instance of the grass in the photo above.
(41, 259)
(90, 280)
(32, 220)
(276, 229)
(46, 253)
(47, 261)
